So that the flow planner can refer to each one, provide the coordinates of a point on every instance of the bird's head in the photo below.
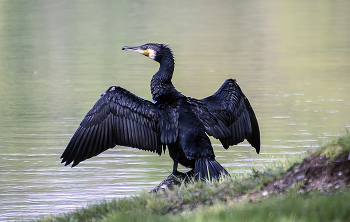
(153, 51)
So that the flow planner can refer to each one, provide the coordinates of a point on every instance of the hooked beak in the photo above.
(135, 49)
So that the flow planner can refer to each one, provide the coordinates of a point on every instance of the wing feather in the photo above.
(118, 118)
(228, 116)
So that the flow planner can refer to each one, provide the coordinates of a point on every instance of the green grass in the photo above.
(336, 146)
(213, 201)
(313, 207)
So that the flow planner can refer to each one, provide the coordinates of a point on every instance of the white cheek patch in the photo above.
(152, 54)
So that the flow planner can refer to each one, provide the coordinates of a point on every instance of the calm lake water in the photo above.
(291, 59)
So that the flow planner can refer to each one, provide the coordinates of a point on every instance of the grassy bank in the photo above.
(248, 197)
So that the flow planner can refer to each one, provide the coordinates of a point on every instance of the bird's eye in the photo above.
(144, 47)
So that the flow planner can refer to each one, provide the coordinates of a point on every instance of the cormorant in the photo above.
(172, 120)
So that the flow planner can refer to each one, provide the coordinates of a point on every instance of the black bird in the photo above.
(172, 120)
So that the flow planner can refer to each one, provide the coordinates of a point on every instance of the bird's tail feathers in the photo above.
(209, 169)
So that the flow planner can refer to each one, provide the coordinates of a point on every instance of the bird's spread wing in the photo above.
(118, 118)
(228, 116)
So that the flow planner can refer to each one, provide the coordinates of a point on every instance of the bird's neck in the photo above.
(161, 85)
(166, 69)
